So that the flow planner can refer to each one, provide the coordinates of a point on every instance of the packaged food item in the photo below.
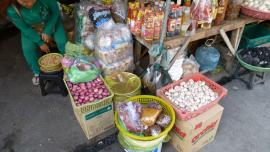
(114, 45)
(163, 120)
(201, 12)
(149, 116)
(101, 17)
(154, 130)
(130, 113)
(89, 41)
(148, 26)
(126, 65)
(221, 10)
(233, 9)
(154, 105)
(171, 23)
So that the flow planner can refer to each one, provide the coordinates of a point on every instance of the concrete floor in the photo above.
(32, 123)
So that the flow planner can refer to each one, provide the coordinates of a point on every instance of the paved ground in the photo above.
(32, 123)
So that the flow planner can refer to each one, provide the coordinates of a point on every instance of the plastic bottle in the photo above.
(222, 6)
(171, 21)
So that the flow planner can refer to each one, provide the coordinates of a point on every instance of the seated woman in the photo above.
(39, 22)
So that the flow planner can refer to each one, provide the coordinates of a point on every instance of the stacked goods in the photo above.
(143, 123)
(145, 120)
(88, 92)
(84, 27)
(192, 95)
(260, 5)
(192, 135)
(92, 105)
(259, 9)
(259, 57)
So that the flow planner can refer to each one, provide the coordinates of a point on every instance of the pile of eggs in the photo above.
(261, 5)
(191, 95)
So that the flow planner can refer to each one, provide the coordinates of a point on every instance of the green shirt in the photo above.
(43, 12)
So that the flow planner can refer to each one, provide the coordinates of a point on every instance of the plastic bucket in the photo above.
(128, 79)
(132, 145)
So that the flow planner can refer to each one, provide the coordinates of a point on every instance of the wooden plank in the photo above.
(235, 37)
(227, 41)
(240, 36)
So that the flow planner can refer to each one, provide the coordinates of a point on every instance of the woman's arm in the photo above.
(54, 16)
(23, 27)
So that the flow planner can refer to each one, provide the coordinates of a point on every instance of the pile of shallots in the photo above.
(83, 93)
(191, 95)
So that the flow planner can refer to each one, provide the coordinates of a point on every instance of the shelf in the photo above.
(202, 33)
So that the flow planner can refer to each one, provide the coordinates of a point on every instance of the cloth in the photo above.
(44, 12)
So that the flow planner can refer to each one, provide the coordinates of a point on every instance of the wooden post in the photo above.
(227, 41)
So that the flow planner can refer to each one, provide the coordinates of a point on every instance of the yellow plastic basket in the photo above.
(50, 68)
(145, 99)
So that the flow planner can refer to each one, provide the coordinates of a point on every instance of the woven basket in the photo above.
(50, 68)
(255, 13)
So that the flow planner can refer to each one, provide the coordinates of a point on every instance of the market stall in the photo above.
(172, 96)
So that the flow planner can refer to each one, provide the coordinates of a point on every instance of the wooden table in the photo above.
(236, 26)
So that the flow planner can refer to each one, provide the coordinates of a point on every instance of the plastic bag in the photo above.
(154, 105)
(201, 10)
(130, 113)
(207, 56)
(149, 116)
(89, 41)
(119, 9)
(114, 45)
(163, 120)
(101, 17)
(125, 65)
(155, 77)
(154, 130)
(75, 50)
(82, 71)
(190, 66)
(83, 25)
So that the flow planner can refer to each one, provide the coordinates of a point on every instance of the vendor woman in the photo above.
(39, 22)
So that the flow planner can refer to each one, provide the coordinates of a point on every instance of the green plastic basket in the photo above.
(248, 66)
(255, 35)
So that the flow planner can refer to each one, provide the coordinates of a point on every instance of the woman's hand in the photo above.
(46, 38)
(45, 48)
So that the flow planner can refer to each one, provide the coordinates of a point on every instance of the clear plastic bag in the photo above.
(130, 113)
(201, 10)
(190, 66)
(82, 71)
(126, 65)
(101, 17)
(114, 45)
(83, 25)
(119, 9)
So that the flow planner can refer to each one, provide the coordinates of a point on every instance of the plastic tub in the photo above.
(124, 78)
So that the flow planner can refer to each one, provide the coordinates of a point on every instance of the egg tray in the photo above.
(181, 113)
(255, 13)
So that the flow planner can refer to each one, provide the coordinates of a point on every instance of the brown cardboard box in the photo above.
(97, 121)
(191, 135)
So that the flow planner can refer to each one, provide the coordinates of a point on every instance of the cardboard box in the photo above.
(191, 135)
(97, 121)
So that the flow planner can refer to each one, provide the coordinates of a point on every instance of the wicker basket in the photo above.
(50, 68)
(255, 13)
